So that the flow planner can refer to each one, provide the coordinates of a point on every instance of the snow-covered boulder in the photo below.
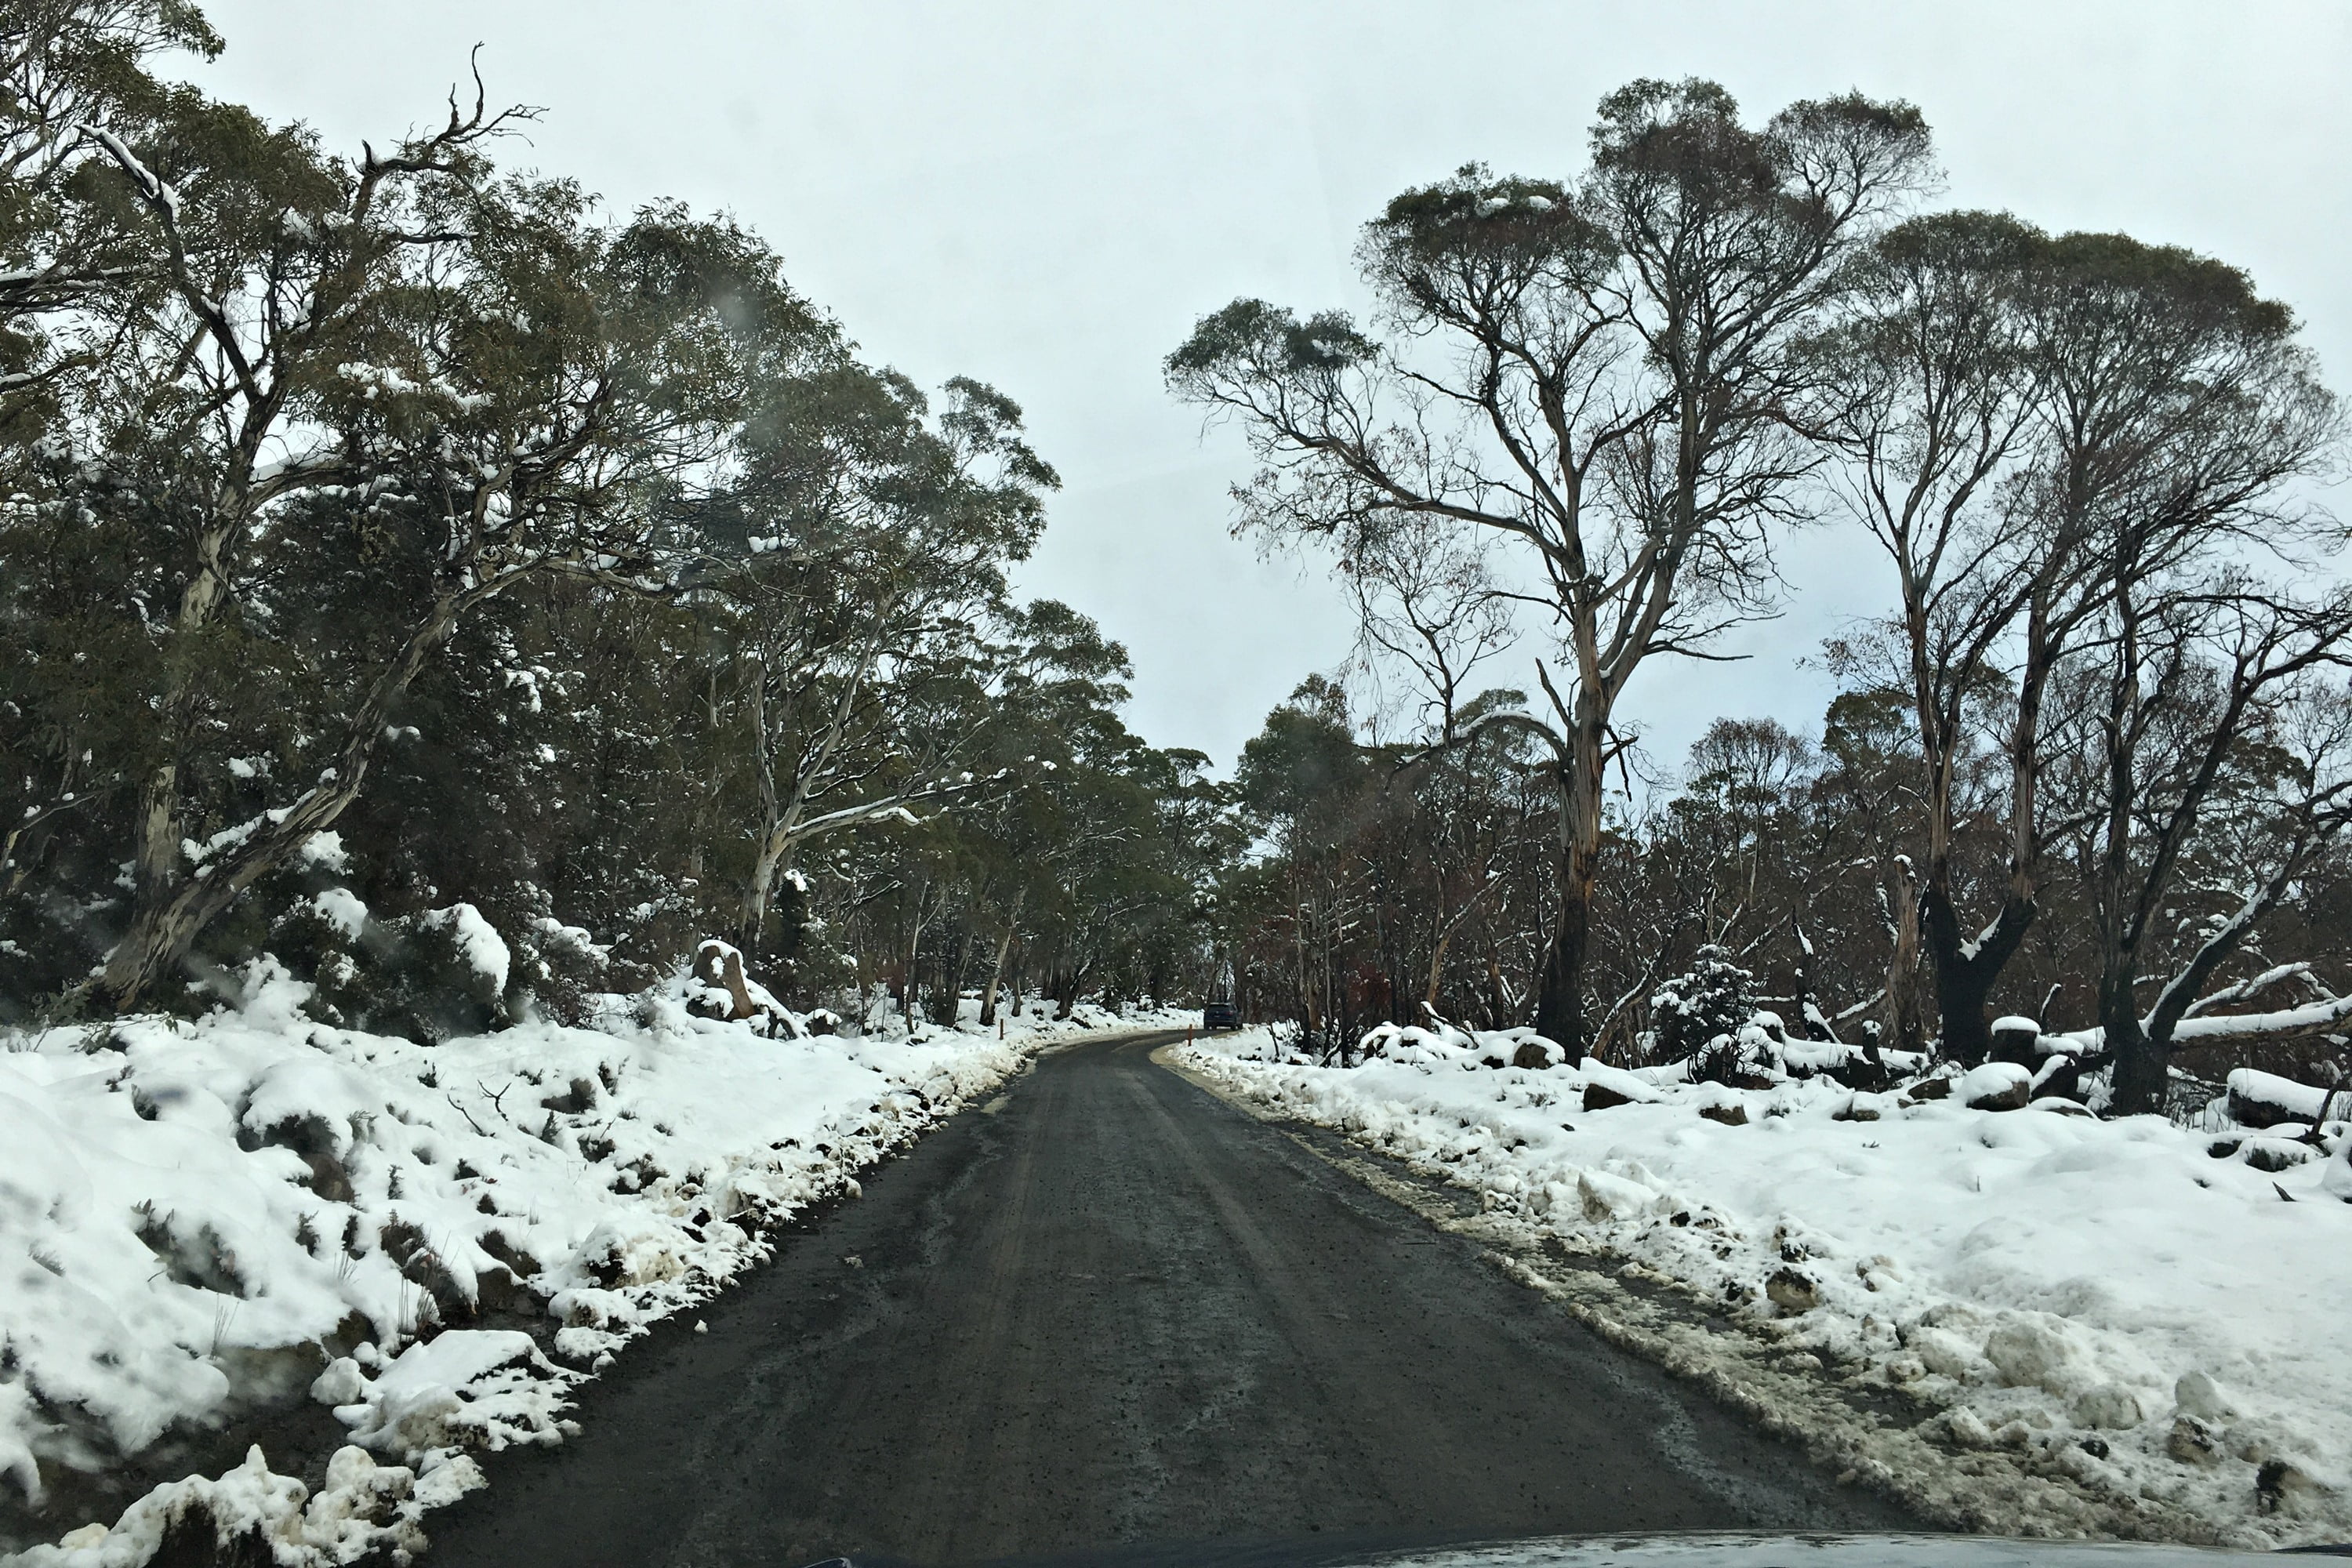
(1995, 1086)
(718, 986)
(1605, 1085)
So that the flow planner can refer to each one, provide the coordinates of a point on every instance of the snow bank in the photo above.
(254, 1515)
(2141, 1312)
(202, 1219)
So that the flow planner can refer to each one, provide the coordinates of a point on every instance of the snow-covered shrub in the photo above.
(1744, 1058)
(325, 937)
(1691, 1010)
(559, 968)
(427, 976)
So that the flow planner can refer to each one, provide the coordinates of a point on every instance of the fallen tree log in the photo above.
(2331, 1017)
(2265, 1100)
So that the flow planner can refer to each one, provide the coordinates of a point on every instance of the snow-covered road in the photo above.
(1106, 1308)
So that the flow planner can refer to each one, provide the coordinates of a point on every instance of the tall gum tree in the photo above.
(410, 360)
(2062, 445)
(1602, 374)
(2181, 414)
(883, 531)
(1929, 402)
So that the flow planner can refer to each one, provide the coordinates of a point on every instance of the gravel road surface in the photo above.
(1110, 1308)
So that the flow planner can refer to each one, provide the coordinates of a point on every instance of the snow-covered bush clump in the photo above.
(2133, 1310)
(1445, 1044)
(1692, 1011)
(1755, 1052)
(201, 1219)
(433, 974)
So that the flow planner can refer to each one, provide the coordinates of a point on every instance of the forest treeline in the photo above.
(394, 544)
(2088, 769)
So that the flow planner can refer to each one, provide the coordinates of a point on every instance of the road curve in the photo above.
(1110, 1308)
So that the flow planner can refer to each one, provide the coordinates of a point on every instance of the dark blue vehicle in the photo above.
(1220, 1010)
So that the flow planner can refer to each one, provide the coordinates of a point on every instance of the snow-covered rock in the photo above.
(1995, 1086)
(463, 1389)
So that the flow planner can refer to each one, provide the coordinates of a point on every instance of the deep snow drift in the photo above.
(199, 1219)
(2106, 1305)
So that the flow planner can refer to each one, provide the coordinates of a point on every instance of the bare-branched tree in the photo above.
(1605, 376)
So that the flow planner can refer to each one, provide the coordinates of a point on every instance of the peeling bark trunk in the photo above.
(1898, 1028)
(996, 977)
(1560, 1007)
(1560, 1004)
(170, 910)
(1436, 971)
(914, 952)
(767, 861)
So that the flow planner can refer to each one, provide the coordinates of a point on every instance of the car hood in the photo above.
(1709, 1549)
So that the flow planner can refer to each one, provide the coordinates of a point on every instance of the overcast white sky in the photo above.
(1047, 195)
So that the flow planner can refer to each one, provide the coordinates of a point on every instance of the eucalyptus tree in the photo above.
(880, 534)
(2177, 414)
(2229, 699)
(1932, 394)
(403, 365)
(75, 77)
(1032, 717)
(1308, 788)
(1081, 867)
(1602, 375)
(2172, 416)
(1040, 859)
(2052, 440)
(1102, 863)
